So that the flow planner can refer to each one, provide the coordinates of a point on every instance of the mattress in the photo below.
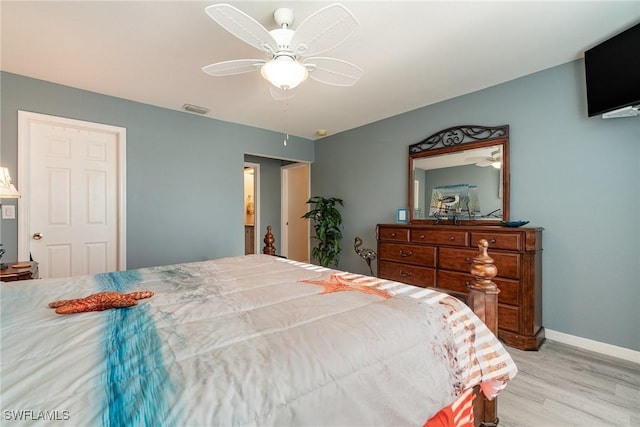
(253, 340)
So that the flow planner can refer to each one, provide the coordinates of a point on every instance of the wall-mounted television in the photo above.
(613, 74)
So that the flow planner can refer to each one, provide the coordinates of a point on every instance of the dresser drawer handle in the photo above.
(492, 240)
(407, 274)
(405, 254)
(451, 238)
(422, 236)
(468, 260)
(393, 234)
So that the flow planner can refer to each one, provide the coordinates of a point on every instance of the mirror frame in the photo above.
(460, 138)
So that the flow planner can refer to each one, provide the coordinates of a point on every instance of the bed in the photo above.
(254, 340)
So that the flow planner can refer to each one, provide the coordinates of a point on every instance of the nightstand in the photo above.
(19, 271)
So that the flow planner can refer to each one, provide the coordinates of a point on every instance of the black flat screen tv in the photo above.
(613, 73)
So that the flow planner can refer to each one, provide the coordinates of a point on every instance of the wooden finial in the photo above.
(483, 269)
(269, 240)
(483, 293)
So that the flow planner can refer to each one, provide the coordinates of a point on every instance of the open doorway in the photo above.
(271, 202)
(251, 176)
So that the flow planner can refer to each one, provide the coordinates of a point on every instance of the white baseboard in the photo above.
(595, 346)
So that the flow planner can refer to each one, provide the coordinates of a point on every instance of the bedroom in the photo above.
(588, 241)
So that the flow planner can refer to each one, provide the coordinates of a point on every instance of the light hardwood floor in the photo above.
(560, 385)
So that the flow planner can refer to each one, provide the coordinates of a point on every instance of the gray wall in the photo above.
(184, 172)
(575, 176)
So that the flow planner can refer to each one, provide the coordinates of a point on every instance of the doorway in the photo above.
(271, 200)
(251, 206)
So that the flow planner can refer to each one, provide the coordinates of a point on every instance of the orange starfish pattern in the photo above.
(335, 283)
(99, 302)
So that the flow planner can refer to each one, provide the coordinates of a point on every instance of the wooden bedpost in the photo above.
(269, 240)
(483, 300)
(483, 293)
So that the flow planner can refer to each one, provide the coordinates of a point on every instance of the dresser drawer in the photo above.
(508, 318)
(508, 315)
(412, 254)
(453, 281)
(393, 234)
(411, 274)
(458, 282)
(507, 241)
(444, 237)
(508, 291)
(508, 264)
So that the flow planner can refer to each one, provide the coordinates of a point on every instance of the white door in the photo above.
(73, 201)
(295, 229)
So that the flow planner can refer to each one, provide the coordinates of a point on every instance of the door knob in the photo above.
(37, 236)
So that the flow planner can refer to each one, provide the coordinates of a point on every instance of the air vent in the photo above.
(195, 109)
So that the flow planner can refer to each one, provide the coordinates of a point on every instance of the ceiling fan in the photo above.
(495, 160)
(291, 53)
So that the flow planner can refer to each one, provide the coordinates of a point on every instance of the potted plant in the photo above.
(327, 223)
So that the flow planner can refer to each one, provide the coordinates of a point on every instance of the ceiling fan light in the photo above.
(284, 72)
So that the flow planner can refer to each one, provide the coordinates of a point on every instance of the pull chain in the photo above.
(286, 117)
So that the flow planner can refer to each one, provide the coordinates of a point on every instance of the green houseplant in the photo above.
(327, 222)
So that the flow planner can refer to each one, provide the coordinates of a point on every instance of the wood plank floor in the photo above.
(560, 385)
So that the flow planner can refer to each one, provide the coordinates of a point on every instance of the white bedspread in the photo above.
(240, 342)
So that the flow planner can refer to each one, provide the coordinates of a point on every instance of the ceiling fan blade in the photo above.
(333, 71)
(280, 94)
(236, 66)
(485, 163)
(242, 26)
(323, 30)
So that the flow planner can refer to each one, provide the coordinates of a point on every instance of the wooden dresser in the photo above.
(440, 256)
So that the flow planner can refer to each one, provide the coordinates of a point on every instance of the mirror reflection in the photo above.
(460, 174)
(466, 183)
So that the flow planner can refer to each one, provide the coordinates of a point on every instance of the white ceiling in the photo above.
(413, 53)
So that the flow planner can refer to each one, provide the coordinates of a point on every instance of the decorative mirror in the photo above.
(460, 174)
